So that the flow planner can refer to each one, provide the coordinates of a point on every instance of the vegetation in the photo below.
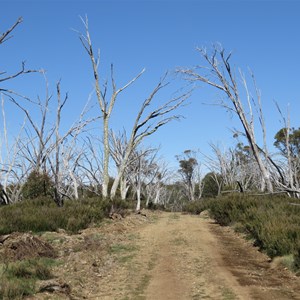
(188, 164)
(18, 278)
(47, 164)
(210, 185)
(42, 214)
(271, 221)
(36, 185)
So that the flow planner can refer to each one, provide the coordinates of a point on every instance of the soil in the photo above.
(19, 246)
(161, 256)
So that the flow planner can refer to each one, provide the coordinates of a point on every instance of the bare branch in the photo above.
(5, 36)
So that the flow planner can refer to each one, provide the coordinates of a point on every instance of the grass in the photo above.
(121, 248)
(174, 216)
(227, 294)
(124, 252)
(286, 261)
(140, 289)
(18, 278)
(132, 236)
(154, 219)
(179, 241)
(126, 258)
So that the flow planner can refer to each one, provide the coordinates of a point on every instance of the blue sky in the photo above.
(159, 36)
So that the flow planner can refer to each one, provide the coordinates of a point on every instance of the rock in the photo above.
(3, 238)
(115, 216)
(53, 286)
(204, 214)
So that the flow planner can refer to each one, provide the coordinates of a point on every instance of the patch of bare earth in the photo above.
(164, 256)
(19, 246)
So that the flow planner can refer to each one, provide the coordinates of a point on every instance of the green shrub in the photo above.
(210, 188)
(155, 206)
(36, 185)
(196, 207)
(297, 259)
(42, 214)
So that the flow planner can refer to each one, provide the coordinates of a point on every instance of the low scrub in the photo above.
(42, 214)
(196, 207)
(272, 221)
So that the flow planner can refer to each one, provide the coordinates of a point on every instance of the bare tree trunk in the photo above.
(106, 154)
(157, 195)
(123, 188)
(138, 198)
(57, 196)
(119, 175)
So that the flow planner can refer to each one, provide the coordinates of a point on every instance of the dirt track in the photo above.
(173, 256)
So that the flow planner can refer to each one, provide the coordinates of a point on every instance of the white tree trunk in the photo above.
(138, 202)
(106, 154)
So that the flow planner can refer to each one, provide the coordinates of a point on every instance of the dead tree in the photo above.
(107, 96)
(219, 74)
(106, 106)
(155, 189)
(142, 171)
(118, 145)
(12, 167)
(63, 160)
(36, 147)
(91, 165)
(147, 124)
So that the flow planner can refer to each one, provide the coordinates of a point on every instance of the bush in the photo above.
(36, 185)
(195, 207)
(210, 188)
(155, 206)
(42, 214)
(297, 260)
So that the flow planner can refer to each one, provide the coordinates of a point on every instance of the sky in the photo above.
(160, 36)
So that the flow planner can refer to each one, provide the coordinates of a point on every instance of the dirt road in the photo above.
(173, 256)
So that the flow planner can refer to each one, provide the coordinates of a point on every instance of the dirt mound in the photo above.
(18, 246)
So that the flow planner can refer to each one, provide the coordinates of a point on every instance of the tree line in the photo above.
(76, 162)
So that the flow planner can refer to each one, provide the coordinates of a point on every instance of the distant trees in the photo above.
(190, 175)
(287, 141)
(188, 169)
(212, 185)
